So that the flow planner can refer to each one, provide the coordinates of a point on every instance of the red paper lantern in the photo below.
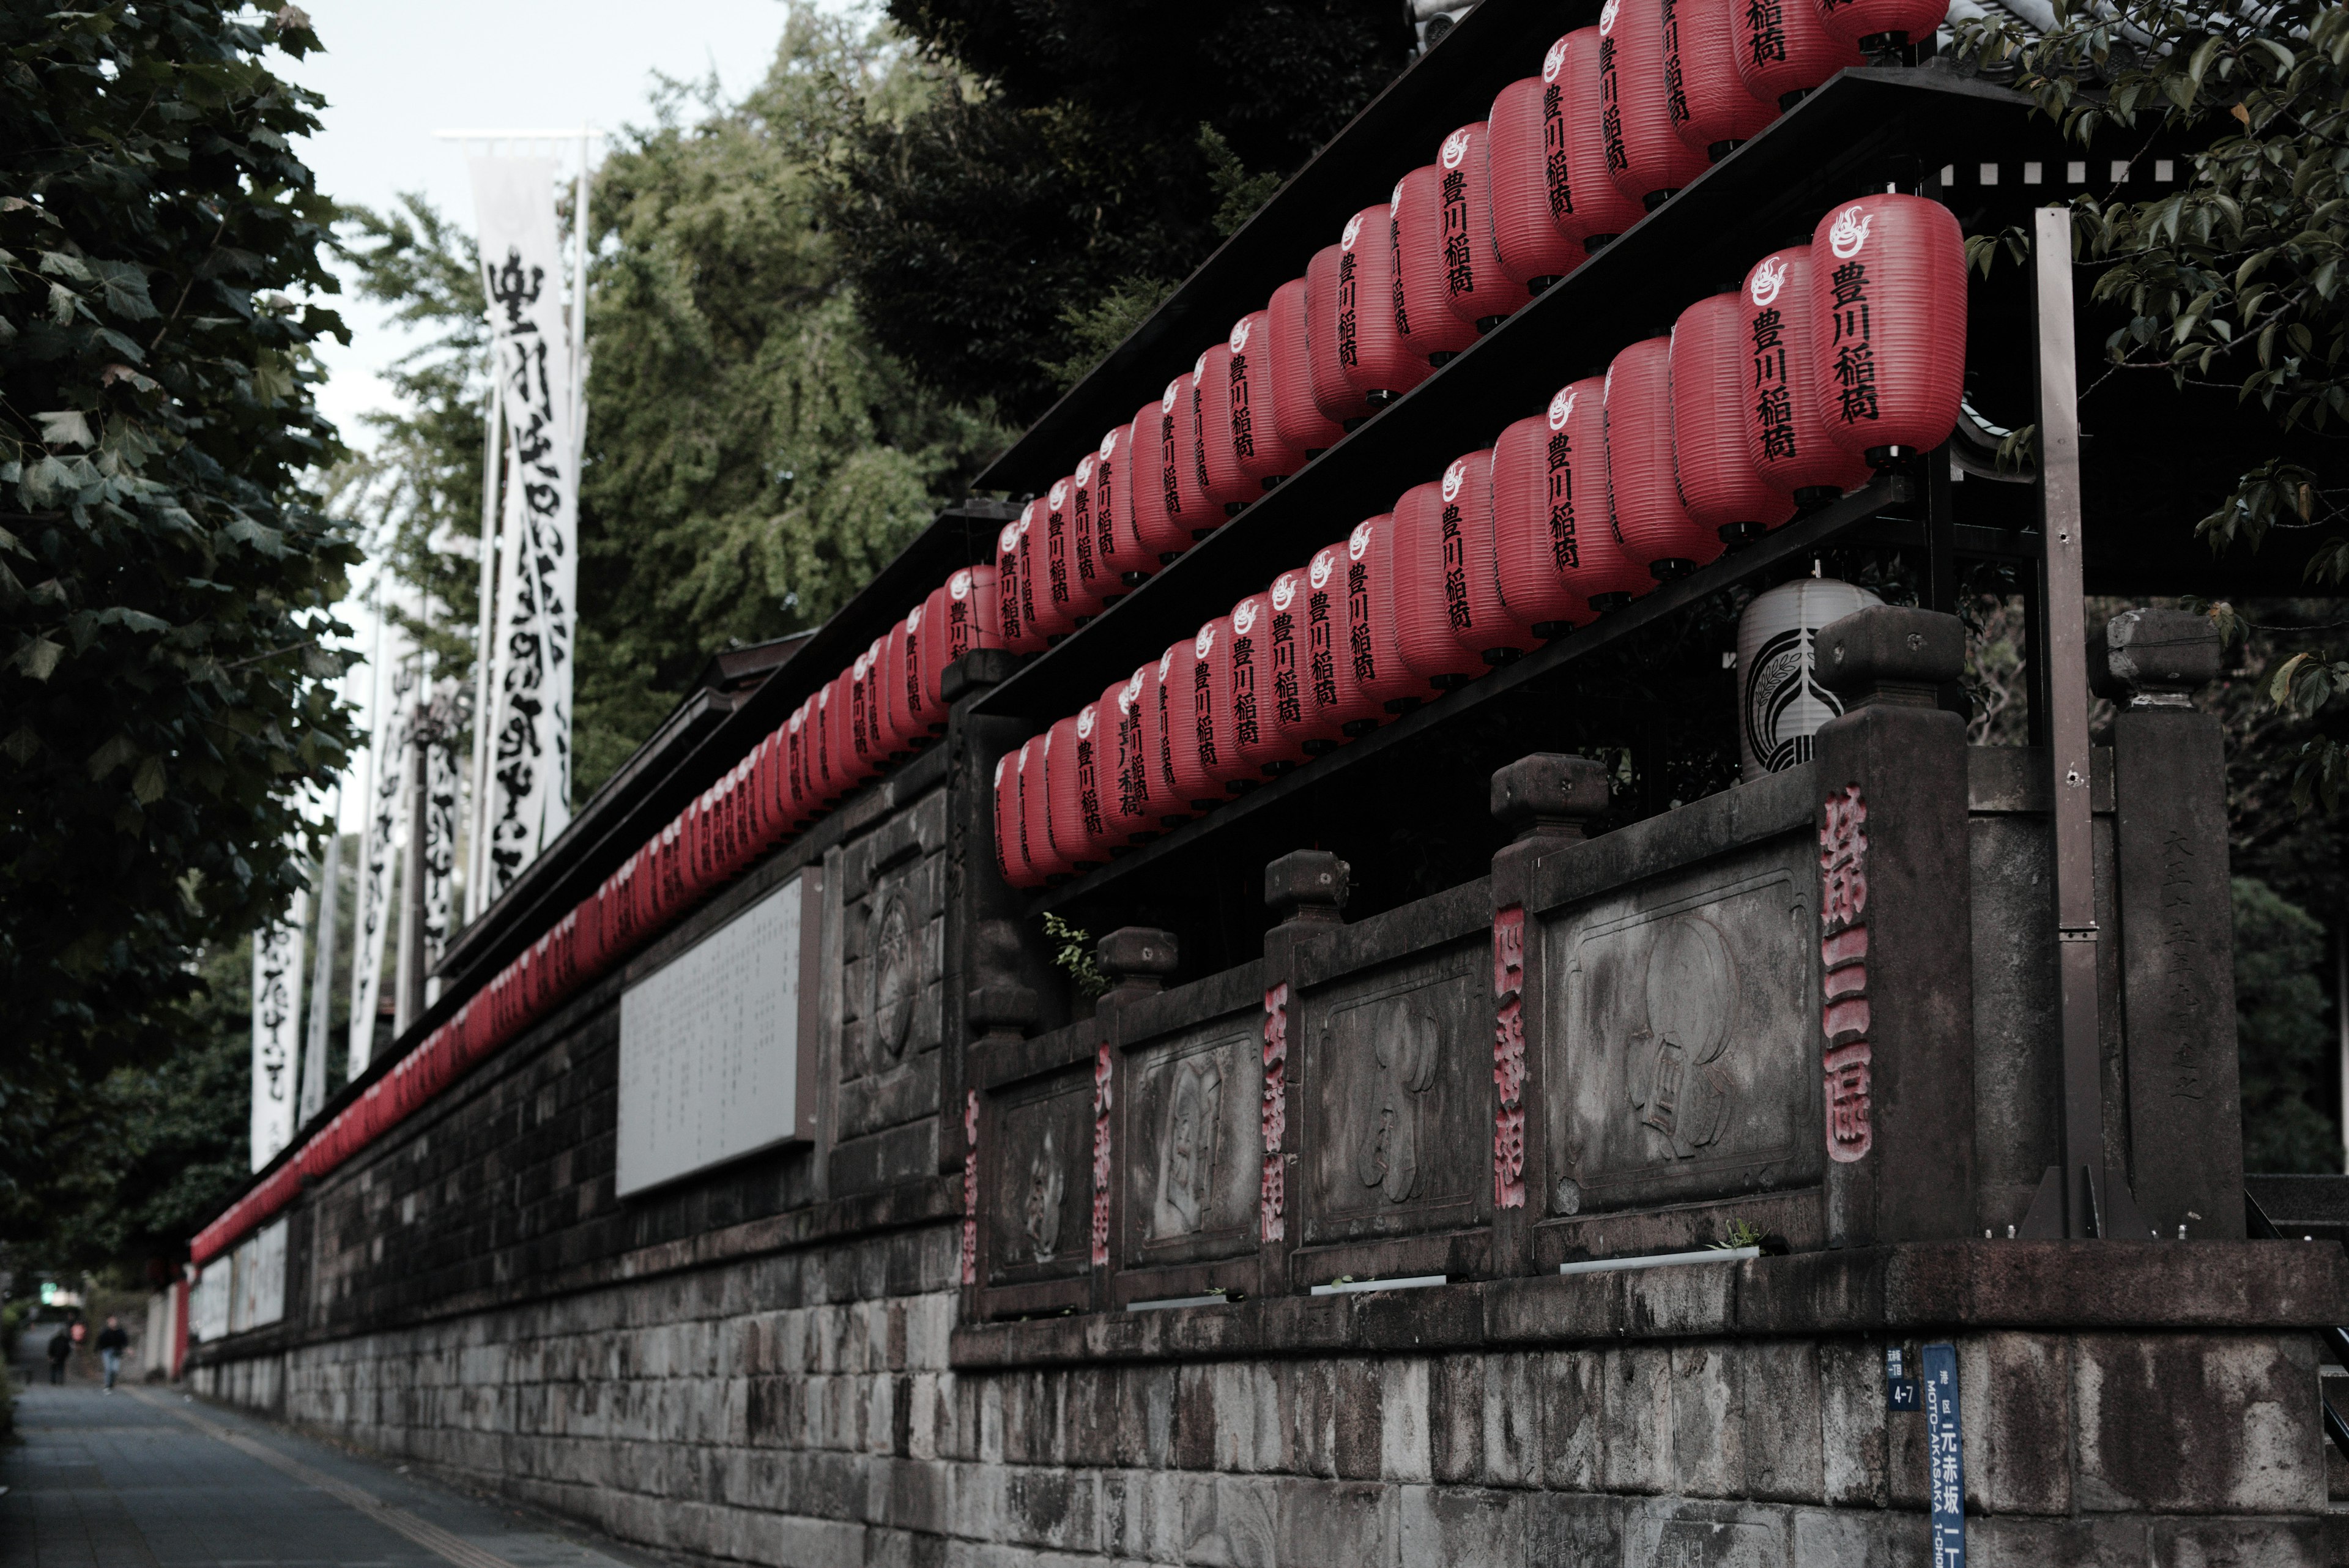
(1186, 496)
(1185, 703)
(1213, 707)
(926, 629)
(1288, 352)
(1036, 808)
(1423, 298)
(871, 742)
(1472, 585)
(1337, 698)
(1013, 629)
(1010, 820)
(829, 771)
(1091, 582)
(1712, 111)
(1043, 615)
(1224, 483)
(1304, 729)
(1378, 363)
(1258, 740)
(1073, 830)
(1334, 392)
(1479, 287)
(798, 745)
(1264, 455)
(1525, 237)
(1642, 485)
(1782, 48)
(1585, 202)
(1116, 551)
(1122, 803)
(1168, 803)
(1422, 609)
(968, 621)
(1645, 156)
(1380, 671)
(1873, 24)
(1558, 555)
(1075, 591)
(1720, 484)
(894, 694)
(1888, 290)
(1783, 428)
(1156, 491)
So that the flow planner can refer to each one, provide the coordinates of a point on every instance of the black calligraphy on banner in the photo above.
(276, 1030)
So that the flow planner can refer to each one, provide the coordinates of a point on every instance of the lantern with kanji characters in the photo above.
(1422, 299)
(1526, 240)
(1712, 111)
(1093, 581)
(1168, 801)
(1888, 304)
(1877, 27)
(1257, 738)
(1642, 483)
(1214, 707)
(1011, 854)
(1585, 201)
(900, 693)
(1186, 706)
(1720, 484)
(1043, 614)
(1069, 555)
(1288, 636)
(1036, 808)
(1222, 479)
(1784, 429)
(1187, 502)
(1372, 355)
(1327, 368)
(1556, 556)
(1481, 290)
(962, 618)
(1645, 157)
(1011, 629)
(1264, 455)
(1118, 743)
(1422, 619)
(1285, 354)
(1783, 49)
(1380, 671)
(798, 749)
(1164, 498)
(1109, 515)
(867, 733)
(830, 771)
(1337, 698)
(1074, 831)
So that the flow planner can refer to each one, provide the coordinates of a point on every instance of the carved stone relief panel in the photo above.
(1398, 1058)
(1036, 1182)
(1190, 1147)
(1683, 1038)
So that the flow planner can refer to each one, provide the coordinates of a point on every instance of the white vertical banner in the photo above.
(528, 727)
(373, 916)
(276, 1030)
(438, 740)
(322, 975)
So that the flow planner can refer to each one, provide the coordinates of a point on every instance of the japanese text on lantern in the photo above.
(1509, 1058)
(1843, 956)
(1854, 352)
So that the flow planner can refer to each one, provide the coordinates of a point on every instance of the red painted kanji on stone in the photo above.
(1509, 1058)
(1272, 1200)
(970, 1188)
(1101, 1157)
(1843, 956)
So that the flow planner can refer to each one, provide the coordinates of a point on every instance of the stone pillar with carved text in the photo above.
(1896, 962)
(1307, 891)
(1138, 959)
(2178, 983)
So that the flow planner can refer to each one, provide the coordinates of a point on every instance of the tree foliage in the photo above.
(1060, 164)
(2282, 1038)
(167, 582)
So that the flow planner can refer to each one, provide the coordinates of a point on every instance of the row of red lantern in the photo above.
(1832, 357)
(1622, 114)
(887, 704)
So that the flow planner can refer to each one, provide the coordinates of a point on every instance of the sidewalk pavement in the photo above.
(149, 1478)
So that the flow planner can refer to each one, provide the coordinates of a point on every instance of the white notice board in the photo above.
(710, 1047)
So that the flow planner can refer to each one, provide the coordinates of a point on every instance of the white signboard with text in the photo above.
(711, 1046)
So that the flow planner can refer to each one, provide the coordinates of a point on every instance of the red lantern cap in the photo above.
(1376, 360)
(1709, 105)
(1720, 483)
(1334, 394)
(1265, 454)
(1287, 352)
(1783, 49)
(1415, 222)
(1888, 290)
(1784, 430)
(1584, 200)
(1645, 156)
(1525, 235)
(1479, 287)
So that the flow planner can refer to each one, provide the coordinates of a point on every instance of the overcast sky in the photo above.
(393, 74)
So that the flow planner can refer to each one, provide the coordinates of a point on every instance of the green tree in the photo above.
(1004, 227)
(166, 581)
(2282, 1041)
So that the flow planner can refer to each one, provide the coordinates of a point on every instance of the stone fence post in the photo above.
(1307, 891)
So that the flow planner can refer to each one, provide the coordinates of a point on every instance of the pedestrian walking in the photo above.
(61, 1346)
(111, 1343)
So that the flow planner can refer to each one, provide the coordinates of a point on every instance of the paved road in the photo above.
(146, 1478)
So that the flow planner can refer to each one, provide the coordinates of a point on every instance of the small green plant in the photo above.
(1742, 1233)
(1073, 951)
